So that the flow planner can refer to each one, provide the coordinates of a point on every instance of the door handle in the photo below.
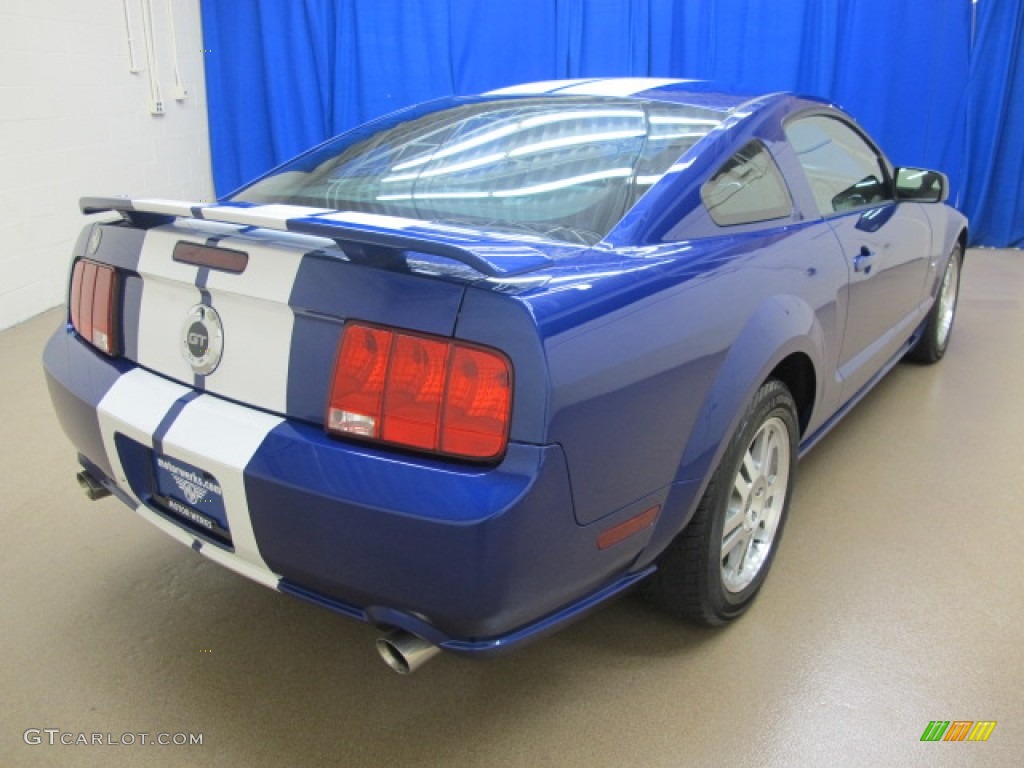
(864, 260)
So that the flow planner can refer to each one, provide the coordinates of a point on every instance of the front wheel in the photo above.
(939, 325)
(712, 571)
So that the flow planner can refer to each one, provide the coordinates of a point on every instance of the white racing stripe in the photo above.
(253, 307)
(541, 86)
(208, 228)
(259, 574)
(258, 323)
(372, 219)
(168, 292)
(209, 433)
(620, 86)
(274, 217)
(134, 406)
(270, 216)
(169, 207)
(221, 438)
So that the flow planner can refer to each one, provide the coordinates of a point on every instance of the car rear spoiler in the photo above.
(379, 238)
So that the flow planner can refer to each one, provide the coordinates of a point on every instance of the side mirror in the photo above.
(867, 191)
(921, 186)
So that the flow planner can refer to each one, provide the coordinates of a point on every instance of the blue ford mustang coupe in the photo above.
(476, 367)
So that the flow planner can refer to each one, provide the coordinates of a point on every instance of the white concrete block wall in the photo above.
(75, 122)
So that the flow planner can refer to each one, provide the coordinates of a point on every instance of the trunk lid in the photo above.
(266, 334)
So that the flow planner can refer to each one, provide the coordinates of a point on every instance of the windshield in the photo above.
(560, 167)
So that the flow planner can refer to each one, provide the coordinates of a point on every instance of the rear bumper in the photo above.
(473, 559)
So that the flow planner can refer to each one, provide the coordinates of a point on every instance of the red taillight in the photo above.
(94, 299)
(415, 387)
(355, 405)
(422, 392)
(477, 403)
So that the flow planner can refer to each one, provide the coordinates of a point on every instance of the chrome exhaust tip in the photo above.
(92, 487)
(404, 652)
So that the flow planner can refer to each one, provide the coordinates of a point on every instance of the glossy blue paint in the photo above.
(77, 377)
(475, 647)
(476, 551)
(120, 246)
(328, 290)
(672, 210)
(495, 258)
(634, 360)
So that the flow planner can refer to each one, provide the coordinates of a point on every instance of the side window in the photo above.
(747, 189)
(844, 172)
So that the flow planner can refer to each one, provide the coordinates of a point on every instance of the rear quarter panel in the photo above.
(648, 361)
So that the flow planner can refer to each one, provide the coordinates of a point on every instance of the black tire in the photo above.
(934, 341)
(690, 580)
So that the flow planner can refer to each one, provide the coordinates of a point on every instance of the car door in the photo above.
(885, 242)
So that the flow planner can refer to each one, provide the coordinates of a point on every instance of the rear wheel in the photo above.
(939, 326)
(713, 570)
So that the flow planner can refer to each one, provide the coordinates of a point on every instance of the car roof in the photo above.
(694, 93)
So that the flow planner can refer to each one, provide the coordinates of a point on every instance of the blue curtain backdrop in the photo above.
(283, 75)
(994, 188)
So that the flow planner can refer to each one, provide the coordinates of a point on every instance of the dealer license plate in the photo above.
(193, 496)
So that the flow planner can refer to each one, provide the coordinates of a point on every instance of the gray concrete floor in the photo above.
(895, 600)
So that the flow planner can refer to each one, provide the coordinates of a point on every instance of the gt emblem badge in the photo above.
(202, 339)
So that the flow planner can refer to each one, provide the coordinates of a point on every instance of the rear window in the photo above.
(565, 168)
